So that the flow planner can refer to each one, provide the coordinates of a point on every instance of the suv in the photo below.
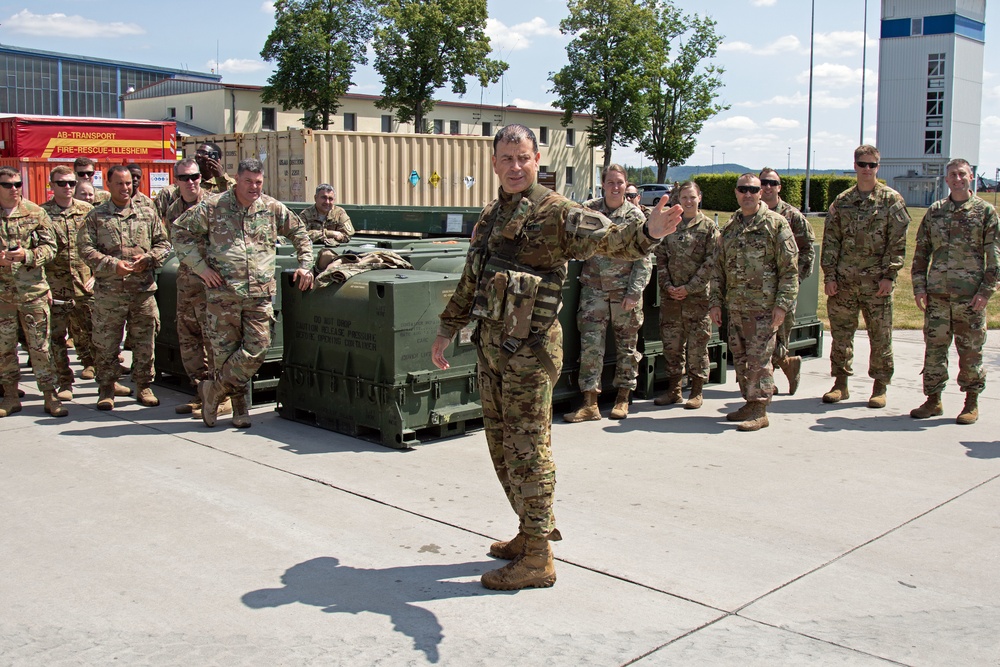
(652, 192)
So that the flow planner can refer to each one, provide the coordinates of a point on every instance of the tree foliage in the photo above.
(613, 42)
(317, 45)
(424, 45)
(683, 91)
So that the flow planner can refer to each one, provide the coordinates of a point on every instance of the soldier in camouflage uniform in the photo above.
(512, 286)
(611, 291)
(137, 193)
(214, 179)
(123, 242)
(327, 223)
(685, 264)
(757, 276)
(633, 196)
(955, 270)
(84, 191)
(26, 244)
(805, 239)
(192, 314)
(71, 281)
(85, 169)
(864, 240)
(228, 241)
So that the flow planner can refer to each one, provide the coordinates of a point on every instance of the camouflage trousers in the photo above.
(34, 320)
(113, 311)
(783, 336)
(239, 332)
(685, 329)
(517, 415)
(751, 342)
(945, 318)
(843, 309)
(598, 308)
(74, 321)
(196, 352)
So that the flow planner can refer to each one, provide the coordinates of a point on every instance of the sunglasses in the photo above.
(631, 195)
(85, 174)
(867, 165)
(64, 184)
(744, 189)
(10, 184)
(773, 182)
(188, 177)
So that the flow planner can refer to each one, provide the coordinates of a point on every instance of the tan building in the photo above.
(205, 108)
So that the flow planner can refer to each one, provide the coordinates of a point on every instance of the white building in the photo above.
(929, 92)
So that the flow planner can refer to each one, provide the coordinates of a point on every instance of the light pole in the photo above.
(809, 121)
(713, 158)
(789, 159)
(864, 59)
(723, 159)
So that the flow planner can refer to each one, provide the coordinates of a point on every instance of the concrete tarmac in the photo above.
(840, 535)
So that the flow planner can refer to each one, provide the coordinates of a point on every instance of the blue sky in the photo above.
(765, 53)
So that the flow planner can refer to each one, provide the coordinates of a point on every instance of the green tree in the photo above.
(639, 176)
(606, 74)
(424, 45)
(317, 45)
(683, 91)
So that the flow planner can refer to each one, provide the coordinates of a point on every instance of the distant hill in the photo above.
(685, 172)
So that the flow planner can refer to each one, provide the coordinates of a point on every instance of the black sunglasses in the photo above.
(744, 189)
(188, 177)
(631, 195)
(10, 184)
(65, 184)
(867, 165)
(773, 182)
(85, 174)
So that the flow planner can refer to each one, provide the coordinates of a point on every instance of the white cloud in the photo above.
(783, 44)
(236, 66)
(528, 104)
(782, 123)
(843, 43)
(518, 37)
(63, 26)
(821, 99)
(991, 121)
(734, 123)
(763, 3)
(834, 75)
(267, 7)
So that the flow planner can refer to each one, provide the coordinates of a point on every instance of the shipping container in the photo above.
(67, 137)
(366, 168)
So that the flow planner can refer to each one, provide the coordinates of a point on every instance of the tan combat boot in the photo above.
(11, 401)
(106, 397)
(620, 411)
(241, 415)
(122, 390)
(970, 413)
(211, 395)
(877, 399)
(757, 419)
(88, 373)
(839, 391)
(695, 398)
(534, 568)
(931, 407)
(146, 396)
(672, 394)
(53, 406)
(589, 411)
(65, 392)
(189, 407)
(741, 414)
(509, 550)
(792, 368)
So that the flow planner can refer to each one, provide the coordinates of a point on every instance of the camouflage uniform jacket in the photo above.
(145, 200)
(547, 235)
(608, 274)
(958, 250)
(319, 227)
(168, 195)
(112, 234)
(101, 196)
(687, 257)
(179, 207)
(27, 226)
(805, 238)
(757, 263)
(67, 273)
(864, 238)
(238, 243)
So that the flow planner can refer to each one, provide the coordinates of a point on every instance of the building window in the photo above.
(916, 27)
(171, 112)
(544, 169)
(569, 175)
(935, 64)
(454, 127)
(268, 119)
(932, 142)
(188, 113)
(933, 170)
(487, 129)
(350, 122)
(935, 122)
(387, 123)
(543, 136)
(935, 82)
(571, 138)
(935, 104)
(438, 126)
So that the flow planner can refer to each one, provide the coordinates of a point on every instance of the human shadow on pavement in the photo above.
(982, 450)
(876, 422)
(339, 589)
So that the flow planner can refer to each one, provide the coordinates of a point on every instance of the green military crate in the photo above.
(358, 359)
(429, 220)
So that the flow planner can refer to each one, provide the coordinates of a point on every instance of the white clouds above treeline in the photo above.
(504, 39)
(832, 44)
(67, 27)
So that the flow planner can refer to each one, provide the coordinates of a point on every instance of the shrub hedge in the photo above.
(718, 190)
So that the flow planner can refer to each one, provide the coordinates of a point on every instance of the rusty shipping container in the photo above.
(366, 168)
